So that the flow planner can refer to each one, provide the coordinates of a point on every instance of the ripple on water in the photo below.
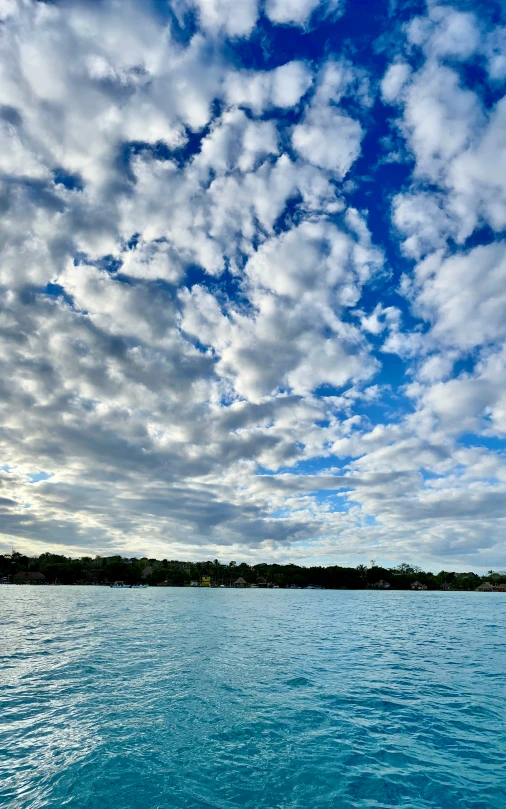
(260, 699)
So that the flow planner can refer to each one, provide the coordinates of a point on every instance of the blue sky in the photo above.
(253, 280)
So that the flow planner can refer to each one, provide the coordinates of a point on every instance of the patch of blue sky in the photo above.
(56, 291)
(426, 474)
(493, 443)
(329, 502)
(181, 21)
(393, 371)
(334, 501)
(465, 365)
(349, 33)
(310, 466)
(72, 182)
(225, 286)
(37, 477)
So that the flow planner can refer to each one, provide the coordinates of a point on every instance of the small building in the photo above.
(148, 571)
(240, 582)
(382, 585)
(205, 581)
(486, 587)
(445, 586)
(417, 585)
(29, 577)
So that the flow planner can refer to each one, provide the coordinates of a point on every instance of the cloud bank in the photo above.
(252, 281)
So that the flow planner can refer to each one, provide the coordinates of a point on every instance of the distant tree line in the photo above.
(105, 569)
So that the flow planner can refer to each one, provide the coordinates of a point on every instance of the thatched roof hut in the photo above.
(26, 575)
(417, 585)
(240, 582)
(382, 585)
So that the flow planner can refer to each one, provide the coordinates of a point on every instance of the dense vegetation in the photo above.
(88, 570)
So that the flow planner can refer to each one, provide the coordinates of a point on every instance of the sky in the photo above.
(253, 280)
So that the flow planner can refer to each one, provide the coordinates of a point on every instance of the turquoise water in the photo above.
(223, 698)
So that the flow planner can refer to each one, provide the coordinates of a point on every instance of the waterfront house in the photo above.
(146, 572)
(29, 577)
(240, 582)
(205, 581)
(382, 585)
(417, 585)
(486, 587)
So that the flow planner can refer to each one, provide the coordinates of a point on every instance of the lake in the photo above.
(251, 698)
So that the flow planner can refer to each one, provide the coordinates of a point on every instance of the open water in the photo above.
(191, 698)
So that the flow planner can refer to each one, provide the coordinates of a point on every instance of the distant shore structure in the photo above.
(28, 576)
(417, 585)
(486, 587)
(381, 585)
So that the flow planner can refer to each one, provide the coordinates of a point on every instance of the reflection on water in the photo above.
(225, 698)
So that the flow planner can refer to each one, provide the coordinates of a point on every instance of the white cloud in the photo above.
(440, 118)
(237, 19)
(424, 220)
(495, 51)
(328, 139)
(237, 142)
(473, 402)
(291, 11)
(446, 32)
(464, 296)
(259, 90)
(457, 143)
(394, 80)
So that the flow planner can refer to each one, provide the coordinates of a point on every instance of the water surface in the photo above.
(192, 698)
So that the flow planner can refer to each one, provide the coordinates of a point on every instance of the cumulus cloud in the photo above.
(327, 137)
(394, 80)
(295, 12)
(236, 19)
(446, 33)
(464, 296)
(282, 87)
(329, 140)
